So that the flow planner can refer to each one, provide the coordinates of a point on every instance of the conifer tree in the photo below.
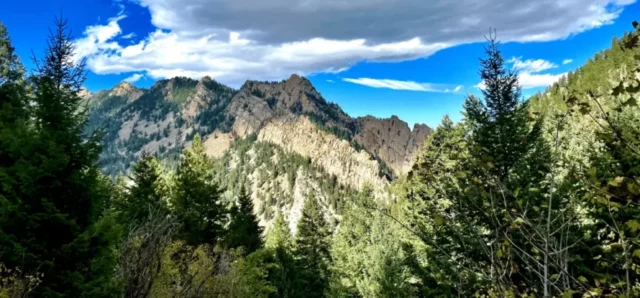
(146, 192)
(196, 198)
(243, 230)
(282, 267)
(499, 123)
(56, 192)
(279, 234)
(312, 249)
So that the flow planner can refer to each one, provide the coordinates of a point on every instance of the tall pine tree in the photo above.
(196, 199)
(146, 194)
(312, 249)
(499, 123)
(54, 184)
(243, 230)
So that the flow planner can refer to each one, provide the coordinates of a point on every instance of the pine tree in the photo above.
(243, 230)
(312, 249)
(279, 234)
(54, 184)
(499, 123)
(196, 199)
(146, 192)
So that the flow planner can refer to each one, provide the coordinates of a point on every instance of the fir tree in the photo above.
(243, 230)
(312, 249)
(499, 123)
(196, 199)
(54, 184)
(146, 192)
(282, 266)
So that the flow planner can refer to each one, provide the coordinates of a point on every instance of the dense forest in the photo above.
(529, 197)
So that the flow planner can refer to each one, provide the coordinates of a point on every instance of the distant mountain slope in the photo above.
(164, 118)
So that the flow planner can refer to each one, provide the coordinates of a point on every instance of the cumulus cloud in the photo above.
(403, 85)
(233, 40)
(134, 78)
(567, 61)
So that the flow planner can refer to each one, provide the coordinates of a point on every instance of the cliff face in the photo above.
(392, 140)
(337, 157)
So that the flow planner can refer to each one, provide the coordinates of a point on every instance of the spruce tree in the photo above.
(146, 193)
(312, 249)
(282, 267)
(243, 230)
(500, 122)
(54, 185)
(196, 199)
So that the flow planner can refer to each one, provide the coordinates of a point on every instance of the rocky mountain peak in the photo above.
(299, 85)
(392, 140)
(127, 90)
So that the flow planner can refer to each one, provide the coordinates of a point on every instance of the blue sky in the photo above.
(408, 58)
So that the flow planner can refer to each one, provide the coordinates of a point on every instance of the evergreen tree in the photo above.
(368, 260)
(196, 198)
(147, 191)
(499, 123)
(312, 249)
(243, 230)
(282, 272)
(13, 100)
(279, 234)
(54, 186)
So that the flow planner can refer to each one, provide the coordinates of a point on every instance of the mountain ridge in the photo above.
(164, 118)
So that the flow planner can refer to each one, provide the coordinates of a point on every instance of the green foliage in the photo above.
(50, 178)
(246, 277)
(312, 245)
(243, 230)
(146, 192)
(195, 201)
(368, 258)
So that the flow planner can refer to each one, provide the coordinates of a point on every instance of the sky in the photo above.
(415, 59)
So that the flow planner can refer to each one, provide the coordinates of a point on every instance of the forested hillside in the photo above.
(194, 189)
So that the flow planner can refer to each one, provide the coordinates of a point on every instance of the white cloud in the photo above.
(403, 85)
(128, 36)
(98, 39)
(235, 40)
(528, 81)
(529, 75)
(330, 81)
(134, 78)
(567, 61)
(531, 66)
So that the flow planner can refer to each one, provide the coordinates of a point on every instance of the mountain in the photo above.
(164, 118)
(282, 140)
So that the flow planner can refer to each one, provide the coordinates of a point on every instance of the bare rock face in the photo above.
(391, 140)
(198, 99)
(217, 143)
(126, 90)
(336, 156)
(84, 93)
(249, 113)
